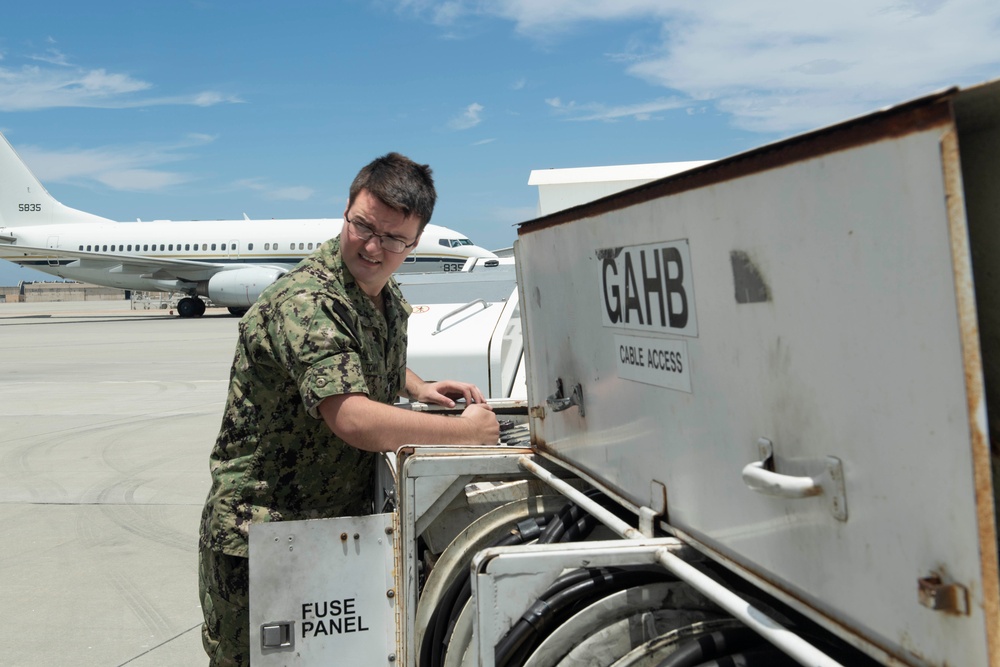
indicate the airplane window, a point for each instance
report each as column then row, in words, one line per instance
column 161, row 247
column 204, row 246
column 88, row 248
column 171, row 246
column 302, row 246
column 130, row 247
column 465, row 242
column 105, row 248
column 233, row 247
column 267, row 246
column 291, row 247
column 213, row 246
column 310, row 246
column 249, row 246
column 187, row 246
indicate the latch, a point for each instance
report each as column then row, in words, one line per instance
column 277, row 635
column 558, row 401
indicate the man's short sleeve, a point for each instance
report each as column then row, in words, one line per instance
column 319, row 346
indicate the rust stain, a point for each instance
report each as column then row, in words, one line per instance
column 975, row 392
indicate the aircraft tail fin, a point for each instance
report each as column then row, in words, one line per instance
column 24, row 201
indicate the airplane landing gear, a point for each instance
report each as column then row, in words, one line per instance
column 190, row 306
column 237, row 311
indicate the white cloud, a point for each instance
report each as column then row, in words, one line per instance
column 796, row 66
column 532, row 16
column 140, row 180
column 596, row 111
column 52, row 57
column 59, row 84
column 291, row 193
column 774, row 65
column 268, row 191
column 469, row 118
column 120, row 168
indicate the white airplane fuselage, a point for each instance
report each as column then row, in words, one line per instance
column 277, row 244
column 229, row 261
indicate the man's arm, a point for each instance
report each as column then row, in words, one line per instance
column 377, row 427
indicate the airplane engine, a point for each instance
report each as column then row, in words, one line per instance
column 241, row 287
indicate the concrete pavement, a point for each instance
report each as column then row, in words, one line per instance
column 107, row 417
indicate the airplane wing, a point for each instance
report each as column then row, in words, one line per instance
column 159, row 268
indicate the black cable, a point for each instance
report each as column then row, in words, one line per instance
column 442, row 621
column 580, row 530
column 557, row 603
column 569, row 515
column 555, row 529
column 763, row 656
column 697, row 650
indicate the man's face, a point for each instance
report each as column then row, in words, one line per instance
column 370, row 263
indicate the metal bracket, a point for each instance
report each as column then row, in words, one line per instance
column 934, row 594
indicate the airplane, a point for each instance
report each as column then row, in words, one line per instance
column 228, row 261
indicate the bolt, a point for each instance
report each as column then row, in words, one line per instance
column 390, row 593
column 388, row 530
column 392, row 657
column 343, row 537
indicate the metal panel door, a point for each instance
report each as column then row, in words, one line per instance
column 799, row 317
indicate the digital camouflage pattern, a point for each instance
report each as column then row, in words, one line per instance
column 310, row 335
column 224, row 582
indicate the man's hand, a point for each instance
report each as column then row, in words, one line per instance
column 484, row 423
column 446, row 392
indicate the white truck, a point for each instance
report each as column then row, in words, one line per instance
column 756, row 431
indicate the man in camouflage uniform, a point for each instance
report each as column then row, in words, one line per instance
column 320, row 358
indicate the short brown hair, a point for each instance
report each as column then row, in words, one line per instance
column 399, row 183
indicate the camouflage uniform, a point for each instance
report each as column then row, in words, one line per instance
column 312, row 334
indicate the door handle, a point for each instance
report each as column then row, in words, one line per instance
column 760, row 477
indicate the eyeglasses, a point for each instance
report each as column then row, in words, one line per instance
column 363, row 232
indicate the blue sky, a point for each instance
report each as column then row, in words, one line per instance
column 207, row 109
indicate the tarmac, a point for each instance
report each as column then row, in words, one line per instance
column 107, row 418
